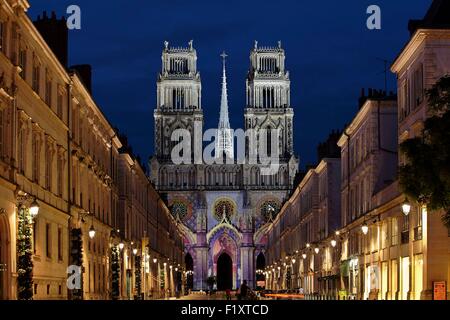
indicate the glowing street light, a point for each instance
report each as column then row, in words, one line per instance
column 333, row 243
column 406, row 207
column 121, row 245
column 135, row 251
column 92, row 232
column 365, row 228
column 304, row 256
column 34, row 209
column 316, row 250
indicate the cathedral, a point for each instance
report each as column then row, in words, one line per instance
column 223, row 208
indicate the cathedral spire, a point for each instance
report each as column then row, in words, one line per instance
column 224, row 145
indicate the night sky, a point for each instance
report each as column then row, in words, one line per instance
column 330, row 53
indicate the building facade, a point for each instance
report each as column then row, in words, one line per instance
column 382, row 250
column 306, row 221
column 57, row 150
column 224, row 206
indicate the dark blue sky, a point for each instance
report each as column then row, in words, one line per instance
column 331, row 55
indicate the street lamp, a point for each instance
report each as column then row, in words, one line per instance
column 406, row 207
column 135, row 251
column 121, row 245
column 333, row 243
column 155, row 260
column 293, row 261
column 365, row 228
column 338, row 232
column 92, row 232
column 308, row 245
column 304, row 256
column 316, row 250
column 34, row 209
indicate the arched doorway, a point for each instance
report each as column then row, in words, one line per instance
column 224, row 272
column 260, row 266
column 4, row 255
column 189, row 263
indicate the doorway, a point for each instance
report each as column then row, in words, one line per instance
column 260, row 266
column 4, row 254
column 189, row 263
column 224, row 272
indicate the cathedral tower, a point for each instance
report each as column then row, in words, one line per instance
column 268, row 90
column 179, row 106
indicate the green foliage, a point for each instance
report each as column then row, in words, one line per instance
column 426, row 176
column 24, row 256
column 76, row 257
column 137, row 276
column 115, row 272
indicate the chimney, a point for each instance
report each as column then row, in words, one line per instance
column 84, row 71
column 56, row 35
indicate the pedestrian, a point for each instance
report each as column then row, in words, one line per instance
column 243, row 290
column 228, row 294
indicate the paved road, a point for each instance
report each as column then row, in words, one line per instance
column 198, row 296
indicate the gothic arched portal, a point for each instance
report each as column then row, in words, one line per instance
column 224, row 272
column 189, row 263
column 260, row 266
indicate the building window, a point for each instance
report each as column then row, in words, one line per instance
column 36, row 158
column 48, row 289
column 21, row 151
column 418, row 86
column 48, row 91
column 418, row 227
column 48, row 169
column 23, row 63
column 2, row 36
column 35, row 288
column 59, row 108
column 36, row 78
column 35, row 235
column 60, row 173
column 48, row 240
column 2, row 136
column 60, row 244
column 394, row 232
column 405, row 230
column 403, row 101
column 384, row 235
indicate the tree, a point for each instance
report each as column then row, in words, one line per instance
column 24, row 256
column 426, row 176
